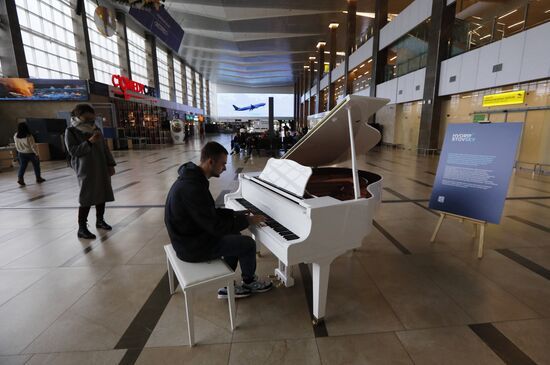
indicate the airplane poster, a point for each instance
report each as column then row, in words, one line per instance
column 251, row 107
column 226, row 102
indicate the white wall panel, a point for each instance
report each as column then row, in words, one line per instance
column 536, row 54
column 410, row 17
column 488, row 57
column 338, row 72
column 450, row 68
column 407, row 84
column 405, row 87
column 324, row 81
column 419, row 78
column 388, row 90
column 361, row 55
column 364, row 92
column 468, row 70
column 510, row 55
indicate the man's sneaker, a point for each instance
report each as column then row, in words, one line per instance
column 258, row 286
column 240, row 292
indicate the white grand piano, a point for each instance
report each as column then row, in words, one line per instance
column 315, row 213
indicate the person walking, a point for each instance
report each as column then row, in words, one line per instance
column 94, row 165
column 26, row 151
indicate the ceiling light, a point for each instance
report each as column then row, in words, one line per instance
column 485, row 36
column 333, row 25
column 518, row 23
column 359, row 13
column 477, row 17
column 547, row 11
column 341, row 53
column 393, row 58
column 306, row 66
column 321, row 44
column 505, row 15
column 363, row 65
column 369, row 61
column 311, row 57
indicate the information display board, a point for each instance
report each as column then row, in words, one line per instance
column 474, row 170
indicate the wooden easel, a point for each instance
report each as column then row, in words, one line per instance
column 476, row 223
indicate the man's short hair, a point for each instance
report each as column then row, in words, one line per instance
column 212, row 150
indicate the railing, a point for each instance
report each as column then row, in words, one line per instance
column 468, row 35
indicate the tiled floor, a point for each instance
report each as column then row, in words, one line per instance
column 396, row 300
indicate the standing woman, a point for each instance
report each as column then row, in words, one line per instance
column 94, row 165
column 26, row 151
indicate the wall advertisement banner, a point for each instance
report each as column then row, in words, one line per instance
column 474, row 170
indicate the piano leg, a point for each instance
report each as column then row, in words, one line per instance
column 320, row 275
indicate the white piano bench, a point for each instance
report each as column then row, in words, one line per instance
column 194, row 276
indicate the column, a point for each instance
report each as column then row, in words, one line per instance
column 171, row 76
column 152, row 45
column 332, row 64
column 441, row 25
column 321, row 69
column 350, row 43
column 82, row 41
column 201, row 92
column 122, row 41
column 184, row 80
column 379, row 57
column 207, row 97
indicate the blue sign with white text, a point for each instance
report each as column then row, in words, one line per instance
column 160, row 23
column 474, row 170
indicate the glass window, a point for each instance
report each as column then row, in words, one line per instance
column 409, row 53
column 361, row 76
column 189, row 74
column 138, row 57
column 164, row 83
column 104, row 49
column 49, row 41
column 178, row 81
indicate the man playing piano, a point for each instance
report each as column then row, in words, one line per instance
column 201, row 232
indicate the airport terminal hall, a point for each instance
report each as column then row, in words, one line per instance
column 238, row 182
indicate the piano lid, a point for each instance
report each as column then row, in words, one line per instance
column 329, row 141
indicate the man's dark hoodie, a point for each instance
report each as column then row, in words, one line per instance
column 194, row 224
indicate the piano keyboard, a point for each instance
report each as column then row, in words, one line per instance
column 270, row 222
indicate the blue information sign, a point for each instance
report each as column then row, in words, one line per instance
column 160, row 23
column 474, row 170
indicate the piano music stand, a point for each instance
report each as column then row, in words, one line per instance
column 476, row 223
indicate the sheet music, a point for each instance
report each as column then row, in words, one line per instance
column 287, row 174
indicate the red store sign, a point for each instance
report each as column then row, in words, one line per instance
column 125, row 84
